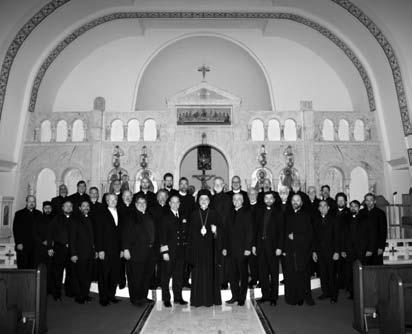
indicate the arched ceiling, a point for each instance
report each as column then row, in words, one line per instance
column 356, row 11
column 59, row 7
column 173, row 70
column 209, row 15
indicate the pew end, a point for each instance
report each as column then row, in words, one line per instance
column 371, row 293
column 27, row 289
column 397, row 309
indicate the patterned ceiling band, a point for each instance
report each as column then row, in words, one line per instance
column 390, row 54
column 18, row 41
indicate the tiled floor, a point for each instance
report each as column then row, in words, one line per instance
column 217, row 319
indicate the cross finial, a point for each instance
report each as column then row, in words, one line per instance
column 204, row 69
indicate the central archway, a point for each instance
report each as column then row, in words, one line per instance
column 189, row 166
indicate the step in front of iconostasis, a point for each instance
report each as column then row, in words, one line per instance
column 226, row 294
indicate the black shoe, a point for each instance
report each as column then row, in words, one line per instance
column 115, row 300
column 104, row 303
column 231, row 301
column 241, row 303
column 79, row 301
column 273, row 302
column 261, row 300
column 167, row 304
column 333, row 300
column 310, row 301
column 300, row 302
column 88, row 299
column 181, row 302
column 323, row 296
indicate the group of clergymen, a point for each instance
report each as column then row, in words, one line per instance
column 210, row 238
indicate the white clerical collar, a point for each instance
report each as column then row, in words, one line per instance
column 182, row 193
column 127, row 204
column 340, row 209
column 268, row 207
column 237, row 209
column 354, row 216
column 117, row 193
column 236, row 191
column 323, row 216
column 296, row 210
column 67, row 215
column 284, row 202
column 86, row 216
column 253, row 203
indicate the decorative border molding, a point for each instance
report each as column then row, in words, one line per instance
column 143, row 318
column 201, row 15
column 390, row 54
column 410, row 156
column 262, row 317
column 18, row 41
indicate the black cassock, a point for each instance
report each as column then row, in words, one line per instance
column 298, row 254
column 204, row 254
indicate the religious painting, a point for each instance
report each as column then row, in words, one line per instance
column 6, row 213
column 6, row 204
column 258, row 177
column 204, row 157
column 145, row 173
column 120, row 174
column 203, row 115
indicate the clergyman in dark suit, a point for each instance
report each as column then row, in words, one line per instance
column 108, row 246
column 138, row 241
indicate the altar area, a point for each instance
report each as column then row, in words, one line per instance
column 340, row 149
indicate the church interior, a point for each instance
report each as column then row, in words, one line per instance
column 315, row 92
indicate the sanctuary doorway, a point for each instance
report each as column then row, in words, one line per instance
column 201, row 163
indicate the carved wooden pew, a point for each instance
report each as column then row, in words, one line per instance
column 27, row 289
column 370, row 286
column 8, row 313
column 396, row 311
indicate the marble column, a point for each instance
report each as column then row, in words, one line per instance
column 97, row 134
column 308, row 138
